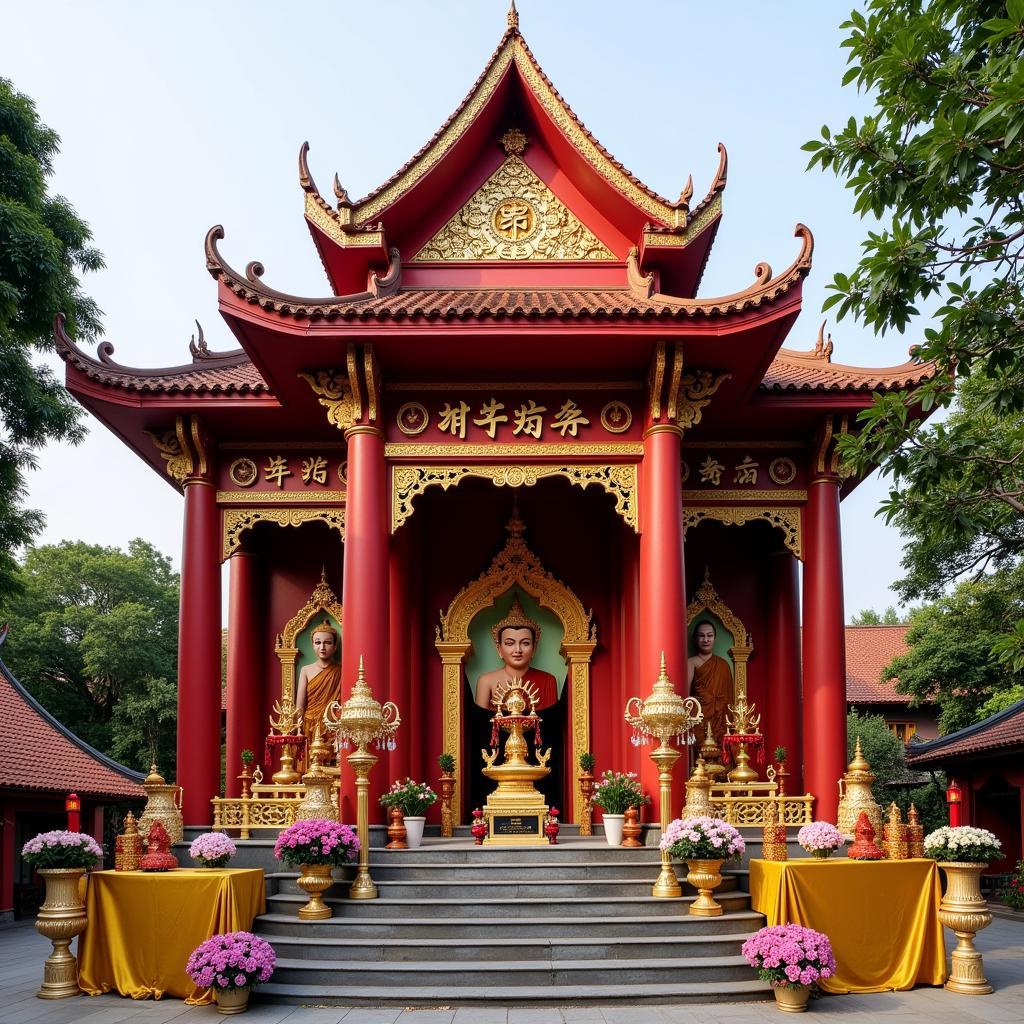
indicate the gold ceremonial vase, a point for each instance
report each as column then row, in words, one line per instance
column 232, row 1000
column 61, row 918
column 705, row 876
column 792, row 999
column 163, row 803
column 963, row 909
column 314, row 881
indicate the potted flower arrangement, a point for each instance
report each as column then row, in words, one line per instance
column 446, row 762
column 315, row 846
column 962, row 853
column 586, row 782
column 232, row 965
column 704, row 843
column 613, row 793
column 61, row 858
column 212, row 850
column 412, row 799
column 791, row 959
column 820, row 839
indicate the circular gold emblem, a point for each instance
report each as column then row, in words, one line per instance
column 616, row 417
column 343, row 473
column 514, row 220
column 782, row 471
column 412, row 418
column 243, row 472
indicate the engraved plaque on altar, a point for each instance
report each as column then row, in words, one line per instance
column 516, row 825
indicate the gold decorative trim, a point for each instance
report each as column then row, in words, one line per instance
column 407, row 482
column 319, row 215
column 612, row 449
column 513, row 216
column 238, row 520
column 321, row 601
column 707, row 599
column 698, row 387
column 505, row 385
column 178, row 460
column 751, row 495
column 412, row 407
column 782, row 470
column 335, row 395
column 516, row 565
column 657, row 379
column 785, row 519
column 281, row 497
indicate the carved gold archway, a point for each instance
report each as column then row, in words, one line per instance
column 785, row 519
column 322, row 601
column 238, row 521
column 707, row 599
column 515, row 565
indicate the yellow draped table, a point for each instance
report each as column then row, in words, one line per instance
column 881, row 917
column 143, row 926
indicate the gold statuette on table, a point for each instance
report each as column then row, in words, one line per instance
column 128, row 846
column 894, row 835
column 698, row 793
column 855, row 796
column 773, row 836
column 915, row 834
column 163, row 803
column 319, row 799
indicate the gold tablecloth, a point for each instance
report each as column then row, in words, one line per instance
column 143, row 927
column 881, row 917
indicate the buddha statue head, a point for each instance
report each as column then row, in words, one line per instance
column 325, row 641
column 516, row 638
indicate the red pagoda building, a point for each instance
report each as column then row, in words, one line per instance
column 512, row 396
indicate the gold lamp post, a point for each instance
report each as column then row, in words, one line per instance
column 362, row 720
column 662, row 715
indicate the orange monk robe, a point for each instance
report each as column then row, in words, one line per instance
column 546, row 686
column 712, row 686
column 324, row 687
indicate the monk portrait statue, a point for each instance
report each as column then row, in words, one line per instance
column 516, row 638
column 319, row 681
column 710, row 679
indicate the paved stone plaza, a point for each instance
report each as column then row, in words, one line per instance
column 22, row 951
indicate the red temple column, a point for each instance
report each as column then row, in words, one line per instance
column 784, row 703
column 399, row 763
column 365, row 591
column 246, row 727
column 199, row 653
column 662, row 626
column 824, row 648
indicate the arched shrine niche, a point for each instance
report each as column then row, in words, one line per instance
column 514, row 568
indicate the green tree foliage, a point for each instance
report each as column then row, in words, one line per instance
column 939, row 166
column 44, row 246
column 94, row 637
column 886, row 754
column 869, row 617
column 950, row 662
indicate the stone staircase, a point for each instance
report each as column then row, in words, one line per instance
column 456, row 924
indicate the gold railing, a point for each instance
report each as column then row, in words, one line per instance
column 269, row 806
column 752, row 809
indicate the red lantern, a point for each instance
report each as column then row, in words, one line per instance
column 73, row 806
column 954, row 797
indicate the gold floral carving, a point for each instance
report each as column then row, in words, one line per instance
column 408, row 482
column 514, row 216
column 711, row 494
column 616, row 417
column 321, row 216
column 785, row 519
column 517, row 566
column 280, row 497
column 612, row 449
column 707, row 599
column 238, row 520
column 321, row 601
column 335, row 394
column 697, row 388
column 178, row 460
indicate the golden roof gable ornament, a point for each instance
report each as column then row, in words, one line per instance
column 516, row 619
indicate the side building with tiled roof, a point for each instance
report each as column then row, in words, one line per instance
column 41, row 762
column 869, row 650
column 987, row 760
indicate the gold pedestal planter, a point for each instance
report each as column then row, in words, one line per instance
column 61, row 918
column 790, row 999
column 232, row 1000
column 705, row 876
column 314, row 880
column 963, row 910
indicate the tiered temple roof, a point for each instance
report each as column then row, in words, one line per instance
column 998, row 734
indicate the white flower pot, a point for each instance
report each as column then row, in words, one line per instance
column 613, row 828
column 414, row 830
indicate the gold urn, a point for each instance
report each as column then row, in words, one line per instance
column 163, row 803
column 855, row 796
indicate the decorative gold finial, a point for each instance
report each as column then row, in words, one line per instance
column 859, row 762
column 513, row 15
column 514, row 142
column 663, row 674
column 154, row 778
column 687, row 194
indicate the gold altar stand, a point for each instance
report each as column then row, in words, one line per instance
column 881, row 917
column 143, row 927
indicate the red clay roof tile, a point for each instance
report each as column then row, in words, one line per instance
column 1000, row 732
column 869, row 649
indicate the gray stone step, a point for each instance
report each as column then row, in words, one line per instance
column 482, row 951
column 447, row 974
column 504, row 909
column 613, row 994
column 579, row 870
column 459, row 890
column 412, row 926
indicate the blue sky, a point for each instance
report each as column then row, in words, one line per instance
column 177, row 117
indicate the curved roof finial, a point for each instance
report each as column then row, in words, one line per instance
column 306, row 181
column 513, row 15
